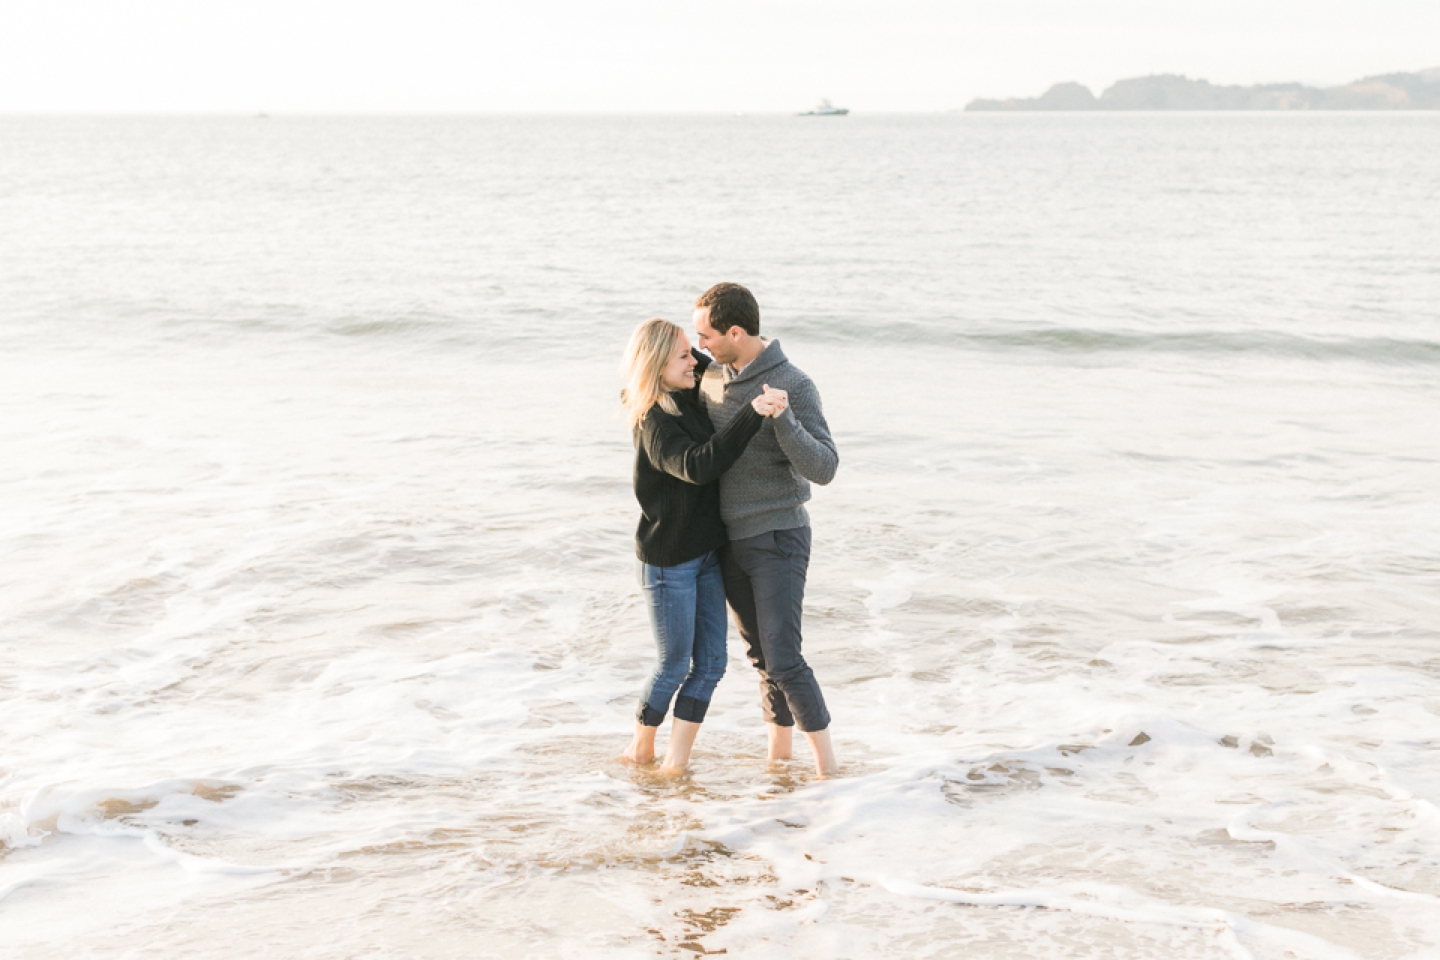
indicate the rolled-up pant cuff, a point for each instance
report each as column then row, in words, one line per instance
column 690, row 709
column 808, row 712
column 815, row 726
column 649, row 716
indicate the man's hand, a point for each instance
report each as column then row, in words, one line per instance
column 771, row 403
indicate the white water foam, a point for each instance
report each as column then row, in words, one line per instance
column 317, row 596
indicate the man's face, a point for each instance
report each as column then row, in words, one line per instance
column 717, row 344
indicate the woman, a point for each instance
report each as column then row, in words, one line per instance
column 678, row 459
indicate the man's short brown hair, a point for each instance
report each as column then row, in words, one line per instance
column 731, row 305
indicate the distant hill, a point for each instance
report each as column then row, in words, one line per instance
column 1169, row 91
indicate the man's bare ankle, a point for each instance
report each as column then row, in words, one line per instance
column 781, row 743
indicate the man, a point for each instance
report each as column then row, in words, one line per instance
column 762, row 501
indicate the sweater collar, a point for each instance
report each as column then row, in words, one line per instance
column 768, row 359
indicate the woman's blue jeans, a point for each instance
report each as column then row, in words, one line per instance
column 687, row 614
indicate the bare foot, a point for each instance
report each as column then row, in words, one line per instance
column 638, row 755
column 642, row 746
column 669, row 771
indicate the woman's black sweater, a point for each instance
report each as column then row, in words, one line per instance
column 678, row 462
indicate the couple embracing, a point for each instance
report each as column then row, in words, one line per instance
column 726, row 447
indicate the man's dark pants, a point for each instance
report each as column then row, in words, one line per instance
column 765, row 587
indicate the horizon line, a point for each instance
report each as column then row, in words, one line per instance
column 890, row 111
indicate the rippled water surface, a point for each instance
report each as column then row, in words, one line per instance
column 319, row 624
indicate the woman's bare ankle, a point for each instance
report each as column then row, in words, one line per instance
column 642, row 746
column 637, row 755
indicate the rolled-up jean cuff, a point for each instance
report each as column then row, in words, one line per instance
column 690, row 709
column 649, row 716
column 816, row 729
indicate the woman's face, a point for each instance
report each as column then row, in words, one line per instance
column 680, row 371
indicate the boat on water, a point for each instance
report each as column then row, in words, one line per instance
column 826, row 109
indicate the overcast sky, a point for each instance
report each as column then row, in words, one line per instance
column 670, row 55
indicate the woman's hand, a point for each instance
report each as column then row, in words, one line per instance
column 771, row 403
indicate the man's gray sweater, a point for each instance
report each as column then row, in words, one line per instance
column 767, row 487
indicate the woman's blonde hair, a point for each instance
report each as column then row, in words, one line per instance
column 652, row 346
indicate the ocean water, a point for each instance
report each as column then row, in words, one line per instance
column 319, row 629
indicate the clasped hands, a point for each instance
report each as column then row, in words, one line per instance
column 771, row 403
